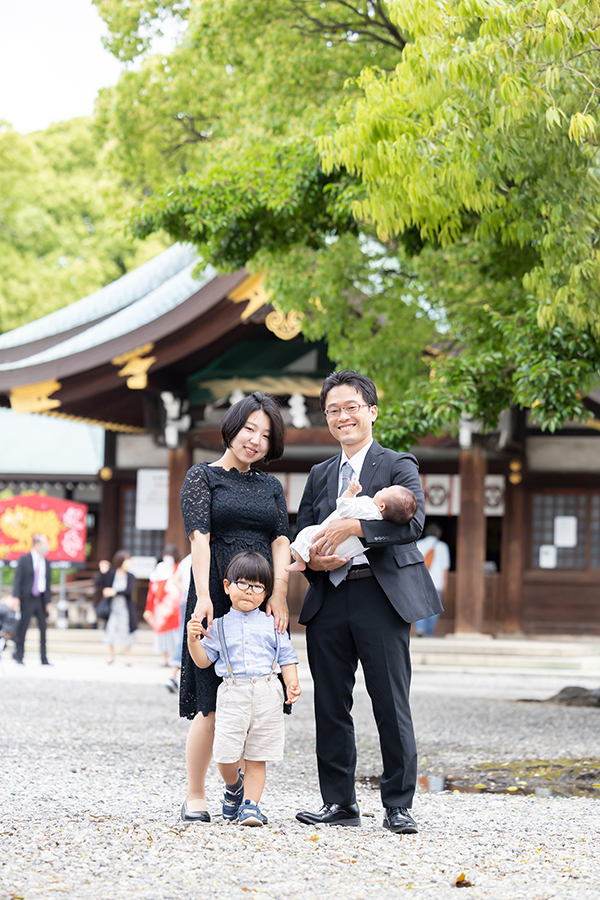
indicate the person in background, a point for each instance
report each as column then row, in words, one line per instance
column 116, row 606
column 179, row 581
column 163, row 603
column 437, row 559
column 32, row 588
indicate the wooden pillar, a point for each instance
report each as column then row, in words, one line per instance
column 107, row 542
column 471, row 541
column 179, row 461
column 512, row 558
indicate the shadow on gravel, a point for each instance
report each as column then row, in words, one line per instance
column 544, row 778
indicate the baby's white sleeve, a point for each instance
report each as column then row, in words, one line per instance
column 358, row 508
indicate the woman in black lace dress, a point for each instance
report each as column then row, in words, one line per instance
column 228, row 507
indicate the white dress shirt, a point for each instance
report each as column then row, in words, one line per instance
column 39, row 571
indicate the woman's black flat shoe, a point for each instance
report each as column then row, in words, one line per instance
column 189, row 815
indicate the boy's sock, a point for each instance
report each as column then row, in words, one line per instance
column 235, row 787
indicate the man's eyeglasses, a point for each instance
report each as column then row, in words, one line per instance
column 243, row 586
column 335, row 412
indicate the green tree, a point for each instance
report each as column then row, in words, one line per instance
column 463, row 143
column 62, row 221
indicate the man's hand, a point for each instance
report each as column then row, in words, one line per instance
column 320, row 563
column 328, row 540
column 204, row 610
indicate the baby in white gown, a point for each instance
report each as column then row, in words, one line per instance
column 395, row 503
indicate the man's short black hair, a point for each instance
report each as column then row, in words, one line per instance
column 253, row 567
column 360, row 383
column 433, row 530
column 237, row 415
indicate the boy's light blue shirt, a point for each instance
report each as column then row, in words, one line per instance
column 251, row 643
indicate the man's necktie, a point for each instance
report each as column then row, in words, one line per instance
column 337, row 575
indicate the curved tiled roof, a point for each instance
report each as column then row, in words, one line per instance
column 123, row 292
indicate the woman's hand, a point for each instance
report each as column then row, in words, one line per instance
column 204, row 610
column 278, row 608
column 108, row 592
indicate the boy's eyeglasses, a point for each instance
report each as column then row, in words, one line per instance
column 335, row 411
column 244, row 585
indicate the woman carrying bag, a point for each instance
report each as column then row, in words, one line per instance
column 116, row 605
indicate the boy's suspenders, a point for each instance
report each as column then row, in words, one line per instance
column 225, row 652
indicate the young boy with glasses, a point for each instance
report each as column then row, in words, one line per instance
column 248, row 654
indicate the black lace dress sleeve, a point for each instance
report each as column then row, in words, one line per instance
column 195, row 501
column 240, row 511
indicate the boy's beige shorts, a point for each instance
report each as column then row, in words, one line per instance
column 249, row 720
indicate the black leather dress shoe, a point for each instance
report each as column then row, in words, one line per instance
column 399, row 820
column 332, row 814
column 18, row 661
column 189, row 815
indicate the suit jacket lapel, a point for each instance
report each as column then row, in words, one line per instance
column 370, row 466
column 333, row 478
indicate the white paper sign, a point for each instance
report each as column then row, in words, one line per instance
column 547, row 556
column 152, row 500
column 565, row 531
column 142, row 566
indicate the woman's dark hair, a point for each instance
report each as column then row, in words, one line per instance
column 360, row 383
column 252, row 566
column 237, row 415
column 171, row 550
column 120, row 557
column 433, row 530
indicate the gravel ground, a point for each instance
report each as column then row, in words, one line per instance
column 93, row 776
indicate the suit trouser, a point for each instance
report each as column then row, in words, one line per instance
column 31, row 607
column 358, row 622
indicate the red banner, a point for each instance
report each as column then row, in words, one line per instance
column 62, row 521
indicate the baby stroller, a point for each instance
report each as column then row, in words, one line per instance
column 8, row 624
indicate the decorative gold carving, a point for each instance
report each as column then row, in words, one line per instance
column 108, row 426
column 251, row 289
column 268, row 384
column 284, row 327
column 135, row 368
column 106, row 473
column 35, row 398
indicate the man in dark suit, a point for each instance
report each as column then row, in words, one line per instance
column 361, row 609
column 32, row 587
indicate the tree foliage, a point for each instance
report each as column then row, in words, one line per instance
column 407, row 173
column 62, row 221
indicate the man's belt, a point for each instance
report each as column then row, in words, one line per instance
column 359, row 572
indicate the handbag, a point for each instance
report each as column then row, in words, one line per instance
column 103, row 608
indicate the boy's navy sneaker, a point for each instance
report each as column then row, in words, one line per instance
column 232, row 800
column 250, row 814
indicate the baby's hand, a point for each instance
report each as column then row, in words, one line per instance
column 353, row 488
column 293, row 691
column 194, row 628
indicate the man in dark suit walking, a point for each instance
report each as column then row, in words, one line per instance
column 361, row 609
column 32, row 587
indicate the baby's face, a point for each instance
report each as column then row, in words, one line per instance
column 382, row 498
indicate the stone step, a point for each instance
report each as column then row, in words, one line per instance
column 432, row 654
